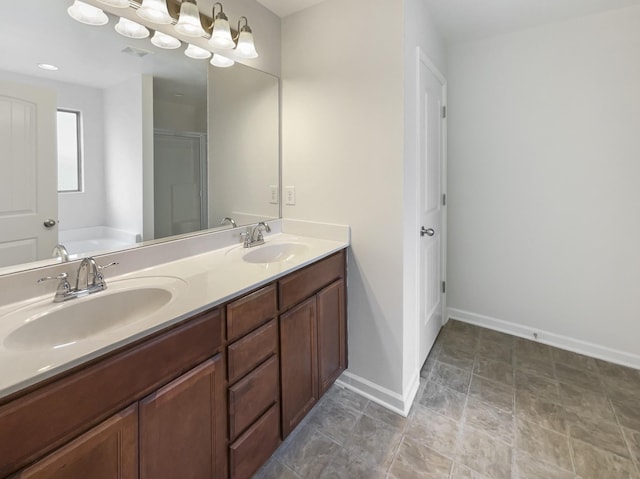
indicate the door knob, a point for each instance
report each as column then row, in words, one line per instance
column 49, row 223
column 427, row 231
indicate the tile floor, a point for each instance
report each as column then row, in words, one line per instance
column 489, row 406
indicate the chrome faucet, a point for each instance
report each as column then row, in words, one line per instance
column 59, row 251
column 89, row 279
column 253, row 235
column 228, row 221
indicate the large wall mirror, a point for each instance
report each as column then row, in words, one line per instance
column 125, row 143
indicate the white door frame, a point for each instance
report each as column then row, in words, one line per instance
column 421, row 57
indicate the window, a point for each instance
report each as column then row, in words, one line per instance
column 69, row 151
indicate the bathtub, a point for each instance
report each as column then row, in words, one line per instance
column 96, row 239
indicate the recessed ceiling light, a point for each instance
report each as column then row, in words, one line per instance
column 48, row 67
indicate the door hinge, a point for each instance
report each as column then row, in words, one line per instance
column 444, row 287
column 444, row 200
column 444, row 111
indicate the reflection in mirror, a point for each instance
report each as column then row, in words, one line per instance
column 156, row 157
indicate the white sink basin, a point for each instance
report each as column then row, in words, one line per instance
column 47, row 325
column 275, row 252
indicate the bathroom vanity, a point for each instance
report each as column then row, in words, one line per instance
column 210, row 395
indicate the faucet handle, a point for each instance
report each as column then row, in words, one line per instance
column 61, row 276
column 108, row 265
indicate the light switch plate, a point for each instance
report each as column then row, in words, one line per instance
column 273, row 191
column 290, row 195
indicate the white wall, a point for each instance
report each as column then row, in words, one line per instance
column 419, row 30
column 124, row 150
column 86, row 208
column 543, row 183
column 342, row 63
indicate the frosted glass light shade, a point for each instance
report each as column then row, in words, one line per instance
column 221, row 61
column 162, row 40
column 189, row 20
column 155, row 11
column 246, row 48
column 196, row 52
column 127, row 28
column 87, row 14
column 116, row 3
column 221, row 34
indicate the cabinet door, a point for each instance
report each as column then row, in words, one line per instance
column 332, row 334
column 108, row 451
column 183, row 426
column 298, row 363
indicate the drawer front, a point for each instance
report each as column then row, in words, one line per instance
column 246, row 353
column 298, row 286
column 250, row 311
column 252, row 396
column 255, row 446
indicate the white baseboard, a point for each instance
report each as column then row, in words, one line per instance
column 546, row 337
column 400, row 404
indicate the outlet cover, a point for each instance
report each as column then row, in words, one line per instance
column 290, row 195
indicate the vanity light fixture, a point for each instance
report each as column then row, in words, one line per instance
column 131, row 29
column 245, row 48
column 155, row 11
column 87, row 14
column 189, row 20
column 116, row 3
column 221, row 33
column 196, row 52
column 221, row 61
column 162, row 40
column 47, row 66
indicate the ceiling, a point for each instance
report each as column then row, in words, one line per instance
column 462, row 20
column 282, row 8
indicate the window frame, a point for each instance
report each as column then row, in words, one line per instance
column 79, row 155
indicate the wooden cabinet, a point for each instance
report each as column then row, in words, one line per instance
column 332, row 331
column 182, row 431
column 312, row 336
column 298, row 353
column 108, row 451
column 210, row 398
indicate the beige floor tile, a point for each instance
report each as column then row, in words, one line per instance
column 533, row 365
column 543, row 444
column 457, row 355
column 495, row 394
column 573, row 360
column 633, row 441
column 539, row 386
column 451, row 376
column 374, row 442
column 532, row 349
column 274, row 469
column 586, row 403
column 415, row 461
column 594, row 463
column 541, row 412
column 495, row 370
column 526, row 467
column 433, row 430
column 494, row 421
column 577, row 377
column 310, row 453
column 602, row 434
column 443, row 400
column 484, row 453
column 461, row 471
column 344, row 465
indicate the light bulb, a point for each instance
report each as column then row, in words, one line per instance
column 131, row 29
column 155, row 11
column 196, row 52
column 221, row 61
column 87, row 14
column 162, row 40
column 189, row 20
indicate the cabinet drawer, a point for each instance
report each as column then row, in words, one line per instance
column 250, row 311
column 253, row 395
column 298, row 286
column 254, row 447
column 255, row 347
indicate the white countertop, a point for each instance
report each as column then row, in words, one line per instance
column 206, row 280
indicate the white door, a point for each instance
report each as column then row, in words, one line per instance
column 431, row 157
column 28, row 174
column 179, row 194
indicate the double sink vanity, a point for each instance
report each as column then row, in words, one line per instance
column 195, row 368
